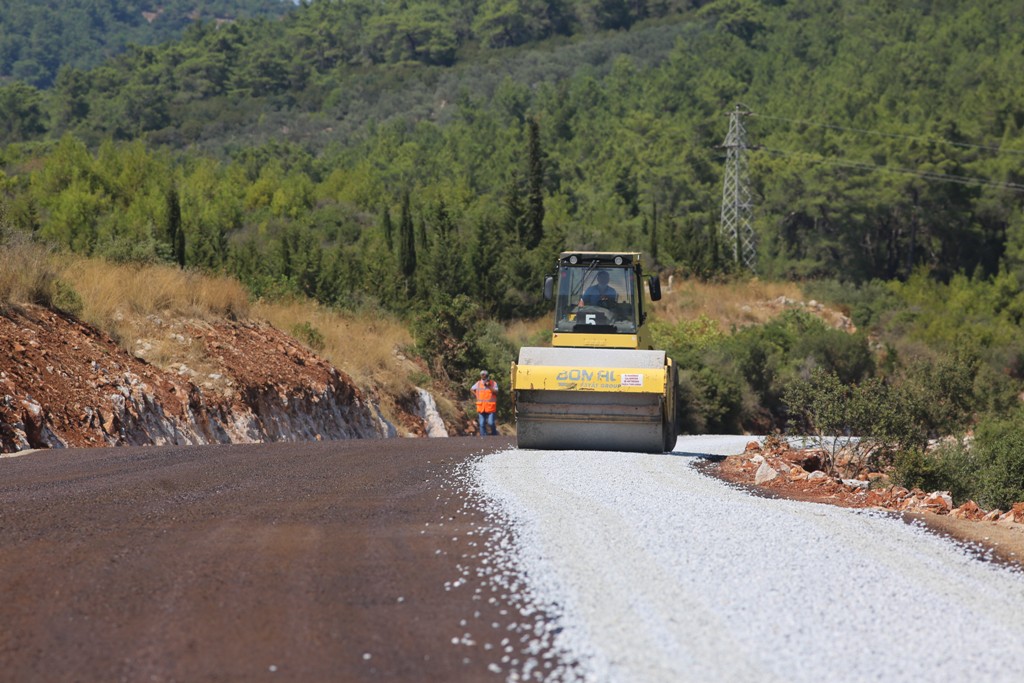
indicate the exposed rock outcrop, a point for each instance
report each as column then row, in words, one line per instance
column 427, row 411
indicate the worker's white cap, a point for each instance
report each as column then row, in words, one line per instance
column 483, row 373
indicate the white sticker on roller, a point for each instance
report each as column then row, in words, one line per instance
column 632, row 379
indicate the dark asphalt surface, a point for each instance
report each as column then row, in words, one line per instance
column 275, row 562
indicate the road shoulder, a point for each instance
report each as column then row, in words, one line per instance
column 1001, row 541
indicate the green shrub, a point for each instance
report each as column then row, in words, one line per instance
column 916, row 468
column 872, row 417
column 774, row 354
column 65, row 298
column 735, row 382
column 989, row 469
column 998, row 451
column 941, row 391
column 865, row 303
column 447, row 335
column 495, row 351
column 954, row 468
column 711, row 400
column 309, row 335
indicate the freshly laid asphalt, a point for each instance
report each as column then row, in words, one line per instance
column 304, row 562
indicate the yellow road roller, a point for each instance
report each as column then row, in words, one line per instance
column 601, row 385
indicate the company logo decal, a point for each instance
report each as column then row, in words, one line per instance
column 579, row 378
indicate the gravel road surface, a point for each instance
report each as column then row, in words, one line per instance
column 653, row 571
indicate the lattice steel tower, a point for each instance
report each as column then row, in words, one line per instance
column 737, row 203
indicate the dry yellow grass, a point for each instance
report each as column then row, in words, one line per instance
column 111, row 292
column 529, row 332
column 27, row 273
column 139, row 304
column 133, row 303
column 732, row 304
column 366, row 347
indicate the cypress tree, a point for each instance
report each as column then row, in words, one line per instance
column 175, row 233
column 406, row 240
column 488, row 281
column 515, row 212
column 421, row 236
column 654, row 232
column 446, row 270
column 387, row 228
column 533, row 225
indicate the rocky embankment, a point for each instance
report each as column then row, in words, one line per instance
column 63, row 384
column 796, row 474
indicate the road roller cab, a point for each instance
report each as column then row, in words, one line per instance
column 602, row 385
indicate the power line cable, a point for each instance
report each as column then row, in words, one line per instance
column 868, row 131
column 928, row 175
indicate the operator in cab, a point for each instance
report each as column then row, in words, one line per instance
column 601, row 293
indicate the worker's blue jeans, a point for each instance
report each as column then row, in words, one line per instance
column 485, row 420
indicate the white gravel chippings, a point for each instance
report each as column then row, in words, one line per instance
column 643, row 569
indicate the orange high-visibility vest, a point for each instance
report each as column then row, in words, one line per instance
column 486, row 396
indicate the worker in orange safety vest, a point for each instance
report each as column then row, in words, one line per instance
column 486, row 392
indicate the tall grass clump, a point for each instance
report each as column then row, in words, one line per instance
column 112, row 293
column 28, row 273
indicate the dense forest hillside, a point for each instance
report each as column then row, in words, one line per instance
column 37, row 38
column 888, row 136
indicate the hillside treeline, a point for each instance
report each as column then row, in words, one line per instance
column 417, row 157
column 38, row 38
column 888, row 136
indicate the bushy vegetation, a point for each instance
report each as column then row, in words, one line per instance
column 872, row 420
column 950, row 372
column 988, row 468
column 735, row 381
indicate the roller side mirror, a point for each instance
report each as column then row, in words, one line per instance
column 654, row 284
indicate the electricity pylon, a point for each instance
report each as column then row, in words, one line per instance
column 737, row 203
